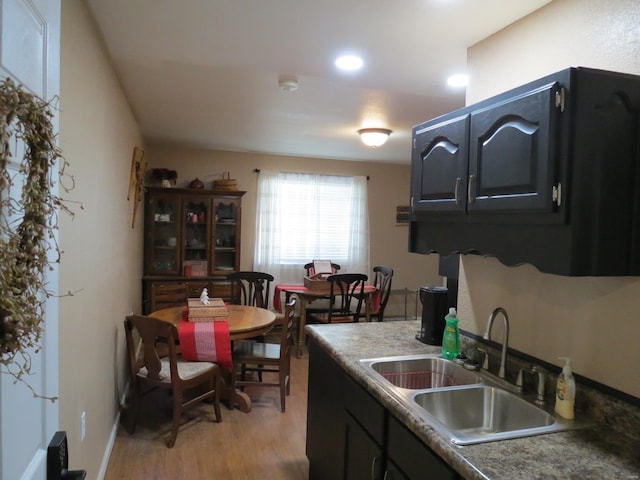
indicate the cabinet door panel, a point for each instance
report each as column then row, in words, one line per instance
column 162, row 229
column 325, row 416
column 195, row 230
column 225, row 242
column 410, row 455
column 512, row 163
column 363, row 456
column 439, row 166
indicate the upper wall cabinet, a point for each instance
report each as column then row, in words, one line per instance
column 547, row 174
column 460, row 165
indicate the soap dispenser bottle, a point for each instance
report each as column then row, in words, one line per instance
column 451, row 336
column 565, row 391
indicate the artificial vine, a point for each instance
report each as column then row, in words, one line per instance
column 28, row 220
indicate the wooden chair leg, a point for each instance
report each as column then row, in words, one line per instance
column 132, row 410
column 216, row 399
column 177, row 414
column 283, row 391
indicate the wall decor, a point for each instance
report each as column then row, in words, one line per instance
column 402, row 215
column 29, row 210
column 136, row 180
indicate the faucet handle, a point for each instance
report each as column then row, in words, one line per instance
column 542, row 378
column 485, row 360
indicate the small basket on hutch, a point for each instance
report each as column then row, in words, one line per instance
column 225, row 184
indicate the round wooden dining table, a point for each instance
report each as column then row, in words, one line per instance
column 244, row 322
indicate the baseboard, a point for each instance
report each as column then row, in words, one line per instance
column 112, row 438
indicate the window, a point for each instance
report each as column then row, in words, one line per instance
column 302, row 217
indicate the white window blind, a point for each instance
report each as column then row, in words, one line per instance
column 302, row 217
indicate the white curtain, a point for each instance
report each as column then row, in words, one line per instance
column 304, row 217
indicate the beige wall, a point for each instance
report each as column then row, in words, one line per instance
column 102, row 253
column 388, row 187
column 594, row 320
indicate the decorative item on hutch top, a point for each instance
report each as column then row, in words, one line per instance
column 196, row 183
column 225, row 183
column 163, row 177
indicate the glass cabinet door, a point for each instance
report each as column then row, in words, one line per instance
column 165, row 240
column 197, row 221
column 225, row 241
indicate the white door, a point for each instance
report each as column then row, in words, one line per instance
column 30, row 54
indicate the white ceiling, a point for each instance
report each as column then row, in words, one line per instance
column 204, row 73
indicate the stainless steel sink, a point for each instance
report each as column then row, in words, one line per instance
column 461, row 404
column 419, row 372
column 484, row 413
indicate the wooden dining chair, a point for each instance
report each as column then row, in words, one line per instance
column 157, row 364
column 165, row 295
column 266, row 358
column 345, row 298
column 382, row 281
column 254, row 287
column 320, row 305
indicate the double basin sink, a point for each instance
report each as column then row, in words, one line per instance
column 459, row 403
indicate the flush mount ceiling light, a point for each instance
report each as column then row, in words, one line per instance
column 374, row 137
column 458, row 80
column 349, row 63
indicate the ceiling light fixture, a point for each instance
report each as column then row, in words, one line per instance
column 374, row 137
column 459, row 80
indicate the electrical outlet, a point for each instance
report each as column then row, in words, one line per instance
column 83, row 426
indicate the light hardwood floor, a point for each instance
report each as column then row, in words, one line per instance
column 262, row 444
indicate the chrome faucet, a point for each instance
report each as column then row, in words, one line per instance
column 505, row 340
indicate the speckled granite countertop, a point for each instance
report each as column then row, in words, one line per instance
column 596, row 453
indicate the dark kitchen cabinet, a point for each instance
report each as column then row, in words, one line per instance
column 351, row 436
column 439, row 167
column 363, row 455
column 410, row 458
column 545, row 174
column 192, row 237
column 499, row 158
column 326, row 416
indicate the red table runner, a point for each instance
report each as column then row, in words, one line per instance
column 206, row 342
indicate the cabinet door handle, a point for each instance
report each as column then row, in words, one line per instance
column 457, row 190
column 373, row 467
column 386, row 475
column 471, row 189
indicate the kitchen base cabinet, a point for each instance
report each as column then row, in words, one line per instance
column 325, row 417
column 363, row 455
column 411, row 458
column 351, row 436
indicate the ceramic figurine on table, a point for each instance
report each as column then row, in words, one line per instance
column 204, row 297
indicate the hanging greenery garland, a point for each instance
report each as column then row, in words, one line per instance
column 28, row 244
